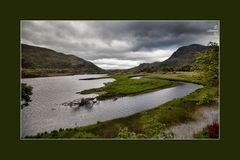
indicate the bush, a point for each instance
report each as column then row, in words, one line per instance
column 206, row 99
column 54, row 133
column 38, row 135
column 125, row 133
column 26, row 92
column 206, row 64
column 213, row 130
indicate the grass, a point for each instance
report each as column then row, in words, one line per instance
column 142, row 124
column 179, row 76
column 124, row 85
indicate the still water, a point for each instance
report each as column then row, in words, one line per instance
column 46, row 112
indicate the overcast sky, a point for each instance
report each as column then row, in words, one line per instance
column 118, row 44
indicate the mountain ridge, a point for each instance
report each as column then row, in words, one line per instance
column 41, row 62
column 183, row 56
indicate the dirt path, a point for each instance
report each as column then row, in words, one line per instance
column 203, row 116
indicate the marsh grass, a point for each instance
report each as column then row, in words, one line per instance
column 124, row 85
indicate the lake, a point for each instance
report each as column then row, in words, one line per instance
column 46, row 112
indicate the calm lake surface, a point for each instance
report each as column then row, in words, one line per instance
column 46, row 112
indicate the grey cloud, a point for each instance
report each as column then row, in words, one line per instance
column 123, row 40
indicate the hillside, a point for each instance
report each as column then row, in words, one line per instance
column 183, row 56
column 41, row 62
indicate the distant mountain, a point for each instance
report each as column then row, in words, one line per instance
column 38, row 61
column 183, row 56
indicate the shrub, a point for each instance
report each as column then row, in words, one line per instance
column 26, row 92
column 54, row 133
column 206, row 99
column 213, row 130
column 38, row 135
column 125, row 133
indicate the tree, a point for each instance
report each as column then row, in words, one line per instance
column 26, row 92
column 206, row 65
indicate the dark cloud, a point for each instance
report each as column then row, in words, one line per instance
column 122, row 41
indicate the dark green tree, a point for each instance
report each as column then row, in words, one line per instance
column 25, row 95
column 207, row 65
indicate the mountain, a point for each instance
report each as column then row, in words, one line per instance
column 41, row 62
column 183, row 56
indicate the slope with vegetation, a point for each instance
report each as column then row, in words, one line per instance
column 42, row 62
column 181, row 60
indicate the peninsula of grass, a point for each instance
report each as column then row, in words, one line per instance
column 144, row 124
column 124, row 85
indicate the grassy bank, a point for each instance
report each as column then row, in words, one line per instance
column 124, row 85
column 147, row 124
